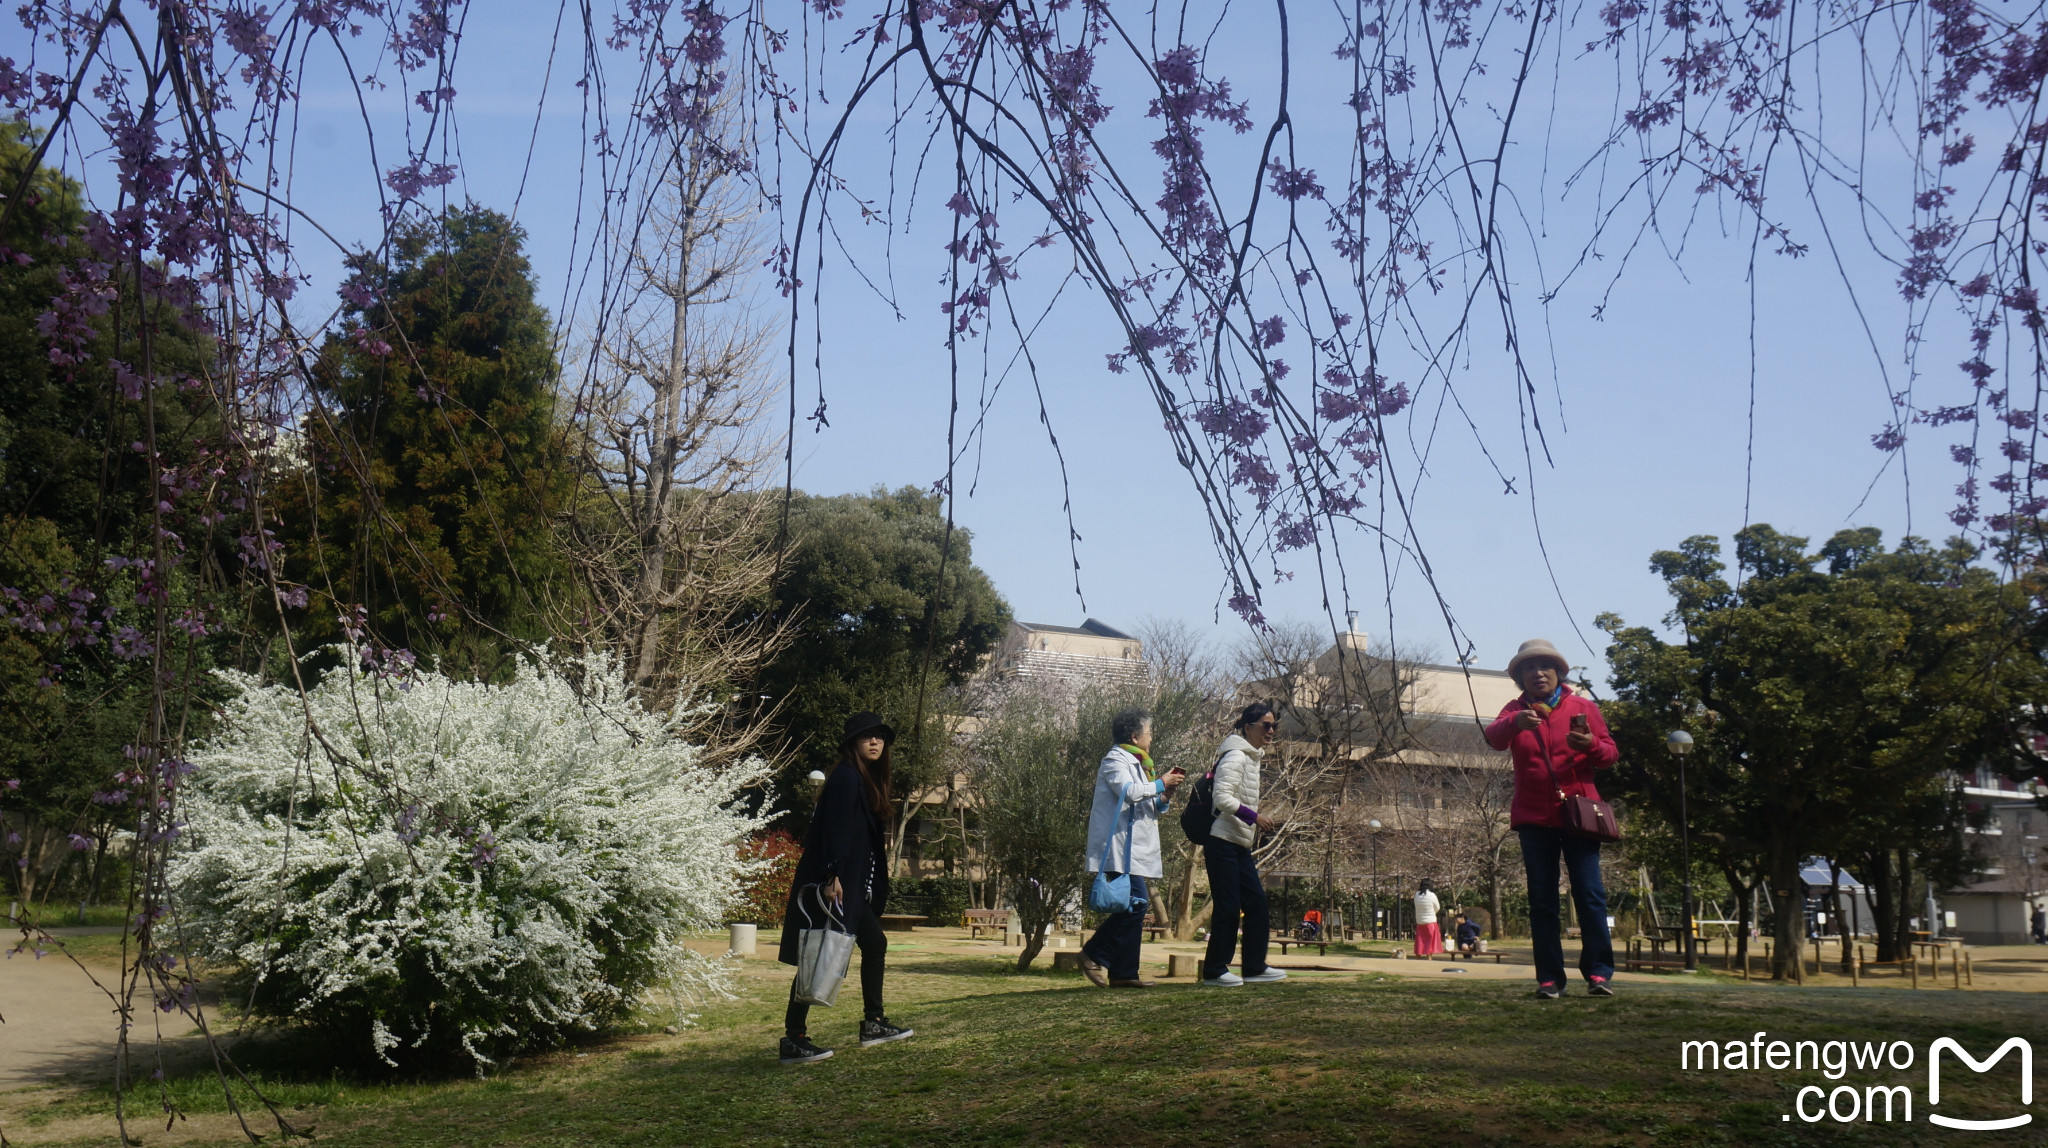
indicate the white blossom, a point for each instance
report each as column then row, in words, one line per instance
column 458, row 867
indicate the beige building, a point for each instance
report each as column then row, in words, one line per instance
column 1386, row 774
column 1093, row 653
column 1089, row 652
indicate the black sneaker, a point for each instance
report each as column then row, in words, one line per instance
column 800, row 1050
column 1549, row 991
column 878, row 1030
column 1598, row 987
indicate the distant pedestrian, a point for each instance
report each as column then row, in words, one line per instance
column 2040, row 924
column 845, row 857
column 1123, row 837
column 1557, row 740
column 1429, row 938
column 1236, row 893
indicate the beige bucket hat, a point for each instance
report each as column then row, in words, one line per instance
column 1536, row 648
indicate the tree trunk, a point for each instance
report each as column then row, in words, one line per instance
column 1494, row 889
column 1033, row 915
column 1835, row 914
column 910, row 811
column 1902, row 921
column 1788, row 913
column 1745, row 917
column 1184, row 898
column 1877, row 869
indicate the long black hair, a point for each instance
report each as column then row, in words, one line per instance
column 874, row 779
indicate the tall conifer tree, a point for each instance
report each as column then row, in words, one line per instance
column 437, row 467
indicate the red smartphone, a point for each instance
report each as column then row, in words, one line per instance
column 1580, row 724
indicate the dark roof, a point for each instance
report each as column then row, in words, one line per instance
column 2010, row 883
column 1814, row 871
column 1447, row 733
column 1091, row 627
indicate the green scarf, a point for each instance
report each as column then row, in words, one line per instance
column 1144, row 760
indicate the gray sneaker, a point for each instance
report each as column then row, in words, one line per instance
column 1267, row 977
column 1224, row 980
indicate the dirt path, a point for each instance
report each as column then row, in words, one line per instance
column 58, row 1023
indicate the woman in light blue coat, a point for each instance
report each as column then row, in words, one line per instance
column 1123, row 837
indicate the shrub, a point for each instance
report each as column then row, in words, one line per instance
column 767, row 892
column 448, row 870
column 942, row 900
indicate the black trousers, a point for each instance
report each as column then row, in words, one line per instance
column 1237, row 893
column 874, row 947
column 1115, row 945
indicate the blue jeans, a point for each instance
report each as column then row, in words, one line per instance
column 1115, row 943
column 1541, row 848
column 1236, row 892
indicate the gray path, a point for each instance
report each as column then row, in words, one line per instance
column 57, row 1023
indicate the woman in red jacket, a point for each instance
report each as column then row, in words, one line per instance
column 1557, row 739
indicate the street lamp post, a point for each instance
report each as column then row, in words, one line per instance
column 1680, row 743
column 1375, row 827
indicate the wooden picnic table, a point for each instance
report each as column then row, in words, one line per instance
column 1656, row 958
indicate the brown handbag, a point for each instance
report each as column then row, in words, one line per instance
column 1593, row 820
column 1583, row 817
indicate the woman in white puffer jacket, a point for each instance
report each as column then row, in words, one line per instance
column 1235, row 890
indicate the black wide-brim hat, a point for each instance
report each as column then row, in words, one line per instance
column 861, row 724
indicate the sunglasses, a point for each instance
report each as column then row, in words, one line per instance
column 1269, row 726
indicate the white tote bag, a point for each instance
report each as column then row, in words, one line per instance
column 823, row 952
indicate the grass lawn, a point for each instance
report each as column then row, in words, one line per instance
column 1046, row 1059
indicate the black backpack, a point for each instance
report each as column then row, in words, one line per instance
column 1200, row 814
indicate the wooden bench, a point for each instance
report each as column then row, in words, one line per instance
column 902, row 922
column 1322, row 947
column 1496, row 955
column 1156, row 929
column 994, row 920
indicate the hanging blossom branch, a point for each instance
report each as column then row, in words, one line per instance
column 1212, row 264
column 187, row 235
column 1293, row 269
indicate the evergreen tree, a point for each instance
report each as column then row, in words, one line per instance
column 1833, row 710
column 860, row 587
column 435, row 468
column 95, row 431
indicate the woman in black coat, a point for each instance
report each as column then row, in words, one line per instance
column 846, row 859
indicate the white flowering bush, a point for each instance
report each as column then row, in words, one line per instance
column 445, row 869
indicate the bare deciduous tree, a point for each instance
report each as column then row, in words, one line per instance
column 1343, row 715
column 671, row 534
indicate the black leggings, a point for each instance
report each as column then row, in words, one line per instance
column 874, row 946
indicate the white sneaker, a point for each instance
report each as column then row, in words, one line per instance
column 1224, row 980
column 1266, row 978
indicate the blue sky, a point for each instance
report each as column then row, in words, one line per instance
column 1648, row 413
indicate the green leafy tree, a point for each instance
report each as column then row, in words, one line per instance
column 1832, row 709
column 872, row 628
column 103, row 415
column 1031, row 793
column 435, row 468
